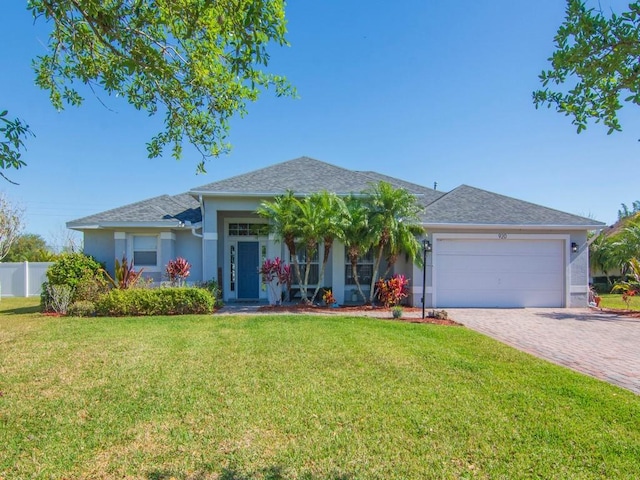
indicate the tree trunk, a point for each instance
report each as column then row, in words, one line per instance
column 303, row 288
column 296, row 267
column 375, row 271
column 328, row 243
column 390, row 263
column 354, row 272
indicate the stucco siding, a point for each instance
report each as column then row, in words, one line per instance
column 189, row 246
column 100, row 245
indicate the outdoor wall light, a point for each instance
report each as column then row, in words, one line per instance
column 574, row 247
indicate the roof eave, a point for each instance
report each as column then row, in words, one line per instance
column 105, row 225
column 510, row 226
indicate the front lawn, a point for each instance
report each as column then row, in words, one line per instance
column 307, row 397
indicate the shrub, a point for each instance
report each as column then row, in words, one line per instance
column 391, row 292
column 82, row 308
column 177, row 271
column 70, row 268
column 156, row 301
column 397, row 312
column 59, row 297
column 90, row 288
column 212, row 287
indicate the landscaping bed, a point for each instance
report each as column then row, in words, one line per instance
column 409, row 314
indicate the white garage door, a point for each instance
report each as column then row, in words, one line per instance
column 499, row 273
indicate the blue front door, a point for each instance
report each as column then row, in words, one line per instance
column 248, row 277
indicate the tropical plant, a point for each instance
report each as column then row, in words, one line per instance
column 624, row 246
column 391, row 292
column 600, row 256
column 626, row 212
column 308, row 231
column 328, row 298
column 275, row 274
column 357, row 236
column 282, row 214
column 332, row 215
column 630, row 286
column 177, row 271
column 125, row 273
column 394, row 220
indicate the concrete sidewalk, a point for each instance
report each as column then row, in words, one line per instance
column 603, row 345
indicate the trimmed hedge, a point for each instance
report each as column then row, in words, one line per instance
column 155, row 301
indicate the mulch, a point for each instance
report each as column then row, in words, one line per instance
column 617, row 311
column 410, row 314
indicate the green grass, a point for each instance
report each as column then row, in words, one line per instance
column 614, row 300
column 205, row 397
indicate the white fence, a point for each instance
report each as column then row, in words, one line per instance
column 22, row 279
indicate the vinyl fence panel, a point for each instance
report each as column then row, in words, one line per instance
column 22, row 279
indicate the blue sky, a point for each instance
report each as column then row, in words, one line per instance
column 428, row 91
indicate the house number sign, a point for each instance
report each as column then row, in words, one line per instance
column 502, row 236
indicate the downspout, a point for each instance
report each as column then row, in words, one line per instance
column 201, row 236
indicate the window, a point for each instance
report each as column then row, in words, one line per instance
column 145, row 250
column 247, row 229
column 302, row 261
column 365, row 269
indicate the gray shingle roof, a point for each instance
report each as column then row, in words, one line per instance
column 464, row 205
column 468, row 205
column 303, row 175
column 429, row 195
column 164, row 208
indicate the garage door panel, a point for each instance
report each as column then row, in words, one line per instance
column 499, row 273
column 507, row 298
column 496, row 264
column 498, row 247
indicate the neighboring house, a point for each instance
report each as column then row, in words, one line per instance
column 488, row 250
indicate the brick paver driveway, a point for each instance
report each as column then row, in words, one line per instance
column 599, row 344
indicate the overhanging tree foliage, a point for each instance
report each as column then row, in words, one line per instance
column 15, row 132
column 597, row 62
column 195, row 62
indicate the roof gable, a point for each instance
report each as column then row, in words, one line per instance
column 303, row 176
column 473, row 206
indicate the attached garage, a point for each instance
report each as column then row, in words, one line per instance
column 498, row 271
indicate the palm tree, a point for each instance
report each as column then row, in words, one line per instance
column 625, row 245
column 394, row 217
column 357, row 236
column 600, row 255
column 308, row 226
column 282, row 214
column 331, row 212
